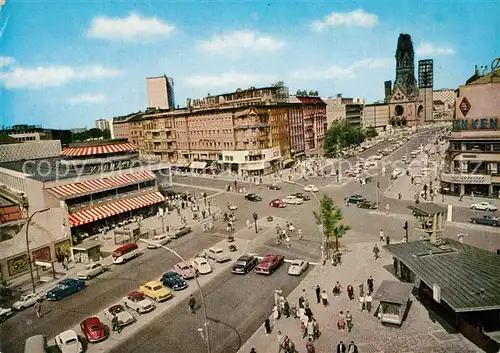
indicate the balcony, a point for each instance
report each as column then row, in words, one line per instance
column 252, row 126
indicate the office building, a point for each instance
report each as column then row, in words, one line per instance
column 102, row 124
column 160, row 91
column 347, row 109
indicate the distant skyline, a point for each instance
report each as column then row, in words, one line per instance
column 66, row 64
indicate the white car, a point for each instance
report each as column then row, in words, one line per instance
column 298, row 267
column 25, row 301
column 294, row 200
column 68, row 342
column 202, row 265
column 91, row 270
column 217, row 254
column 311, row 188
column 4, row 314
column 484, row 206
column 377, row 157
column 137, row 301
column 124, row 317
column 395, row 173
column 158, row 240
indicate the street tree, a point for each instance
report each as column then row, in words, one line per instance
column 329, row 216
column 342, row 135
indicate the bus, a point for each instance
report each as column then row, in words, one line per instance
column 125, row 253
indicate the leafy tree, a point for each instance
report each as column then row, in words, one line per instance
column 91, row 134
column 329, row 216
column 371, row 132
column 342, row 135
column 301, row 93
column 313, row 94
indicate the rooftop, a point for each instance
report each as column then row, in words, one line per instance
column 468, row 276
column 427, row 209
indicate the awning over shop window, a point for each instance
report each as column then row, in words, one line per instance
column 198, row 165
column 288, row 161
column 84, row 187
column 95, row 150
column 113, row 208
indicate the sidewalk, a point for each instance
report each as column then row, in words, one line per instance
column 418, row 334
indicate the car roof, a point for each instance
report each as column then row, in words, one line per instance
column 268, row 256
column 68, row 334
column 90, row 321
column 135, row 294
column 170, row 274
column 116, row 306
column 244, row 257
column 152, row 283
column 215, row 248
column 67, row 281
column 182, row 263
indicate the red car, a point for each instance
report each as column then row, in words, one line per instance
column 93, row 329
column 277, row 203
column 269, row 264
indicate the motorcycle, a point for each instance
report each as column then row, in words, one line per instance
column 232, row 248
column 230, row 238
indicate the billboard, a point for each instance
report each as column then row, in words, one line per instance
column 425, row 73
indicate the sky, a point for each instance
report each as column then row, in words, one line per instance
column 64, row 64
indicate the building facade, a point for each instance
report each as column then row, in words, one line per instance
column 296, row 124
column 160, row 91
column 376, row 116
column 443, row 104
column 29, row 150
column 348, row 109
column 315, row 126
column 24, row 133
column 102, row 124
column 473, row 158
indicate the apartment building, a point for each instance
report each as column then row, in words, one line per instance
column 24, row 133
column 102, row 124
column 315, row 125
column 160, row 91
column 348, row 109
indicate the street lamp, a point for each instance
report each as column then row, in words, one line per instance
column 205, row 313
column 320, row 226
column 28, row 247
column 255, row 218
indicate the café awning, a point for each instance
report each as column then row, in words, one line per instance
column 198, row 165
column 96, row 150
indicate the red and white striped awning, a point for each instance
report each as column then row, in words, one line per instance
column 101, row 184
column 113, row 208
column 95, row 150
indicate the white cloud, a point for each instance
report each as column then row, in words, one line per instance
column 129, row 28
column 240, row 40
column 428, row 49
column 227, row 79
column 6, row 61
column 86, row 98
column 52, row 76
column 336, row 71
column 356, row 18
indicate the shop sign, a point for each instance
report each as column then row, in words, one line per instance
column 18, row 265
column 464, row 106
column 466, row 179
column 476, row 124
column 42, row 254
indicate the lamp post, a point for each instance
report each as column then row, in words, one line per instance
column 255, row 218
column 205, row 313
column 320, row 226
column 30, row 265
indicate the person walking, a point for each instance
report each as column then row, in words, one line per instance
column 368, row 302
column 381, row 235
column 248, row 223
column 192, row 304
column 310, row 329
column 324, row 298
column 348, row 319
column 341, row 348
column 310, row 346
column 361, row 302
column 376, row 251
column 252, row 350
column 38, row 309
column 369, row 282
column 279, row 340
column 341, row 322
column 299, row 232
column 318, row 293
column 352, row 348
column 114, row 323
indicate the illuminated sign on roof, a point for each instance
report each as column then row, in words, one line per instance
column 476, row 124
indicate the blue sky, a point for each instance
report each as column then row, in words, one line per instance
column 64, row 64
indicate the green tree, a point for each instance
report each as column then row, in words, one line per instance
column 371, row 132
column 301, row 93
column 342, row 135
column 91, row 134
column 329, row 216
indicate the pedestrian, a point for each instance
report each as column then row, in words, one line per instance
column 310, row 347
column 301, row 301
column 376, row 251
column 341, row 348
column 310, row 329
column 369, row 282
column 252, row 350
column 267, row 326
column 38, row 309
column 308, row 312
column 387, row 208
column 288, row 243
column 192, row 304
column 352, row 348
column 279, row 340
column 203, row 213
column 317, row 333
column 276, row 313
column 115, row 324
column 350, row 292
column 348, row 319
column 361, row 302
column 341, row 322
column 361, row 289
column 368, row 302
column 248, row 223
column 324, row 298
column 299, row 232
column 318, row 293
column 381, row 235
column 286, row 309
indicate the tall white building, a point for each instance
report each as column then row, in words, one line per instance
column 102, row 124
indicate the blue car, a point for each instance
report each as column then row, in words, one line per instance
column 173, row 281
column 64, row 288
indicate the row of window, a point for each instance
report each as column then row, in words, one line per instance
column 475, row 146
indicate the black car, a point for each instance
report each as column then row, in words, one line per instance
column 173, row 281
column 274, row 187
column 367, row 204
column 302, row 196
column 486, row 220
column 244, row 264
column 253, row 197
column 355, row 199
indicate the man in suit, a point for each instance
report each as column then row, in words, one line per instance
column 352, row 348
column 341, row 348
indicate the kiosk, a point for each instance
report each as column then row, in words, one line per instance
column 394, row 298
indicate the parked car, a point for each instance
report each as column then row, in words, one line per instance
column 486, row 220
column 124, row 317
column 156, row 291
column 201, row 265
column 181, row 232
column 173, row 281
column 5, row 313
column 274, row 187
column 137, row 301
column 91, row 270
column 302, row 196
column 298, row 267
column 371, row 205
column 355, row 198
column 277, row 203
column 253, row 197
column 68, row 342
column 244, row 264
column 185, row 270
column 396, row 172
column 232, row 207
column 483, row 206
column 64, row 288
column 217, row 254
column 158, row 240
column 269, row 264
column 311, row 188
column 93, row 329
column 294, row 200
column 25, row 301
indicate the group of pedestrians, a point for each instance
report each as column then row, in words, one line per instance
column 285, row 234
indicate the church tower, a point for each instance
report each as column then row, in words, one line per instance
column 405, row 66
